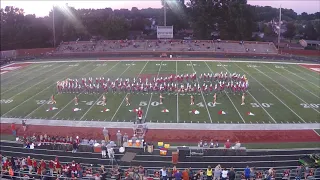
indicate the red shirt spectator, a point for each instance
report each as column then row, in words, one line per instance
column 34, row 163
column 39, row 171
column 51, row 165
column 73, row 166
column 43, row 164
column 227, row 144
column 29, row 161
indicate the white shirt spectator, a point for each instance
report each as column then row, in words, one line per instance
column 237, row 145
column 163, row 172
column 224, row 174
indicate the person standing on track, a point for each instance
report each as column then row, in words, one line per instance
column 24, row 125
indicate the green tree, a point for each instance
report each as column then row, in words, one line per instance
column 291, row 31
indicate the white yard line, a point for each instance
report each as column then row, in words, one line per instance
column 145, row 117
column 36, row 83
column 127, row 93
column 293, row 82
column 257, row 101
column 177, row 94
column 205, row 103
column 305, row 79
column 285, row 89
column 27, row 116
column 82, row 91
column 27, row 74
column 316, row 132
column 102, row 95
column 272, row 94
column 38, row 92
column 19, row 71
column 214, row 60
column 228, row 95
column 306, row 72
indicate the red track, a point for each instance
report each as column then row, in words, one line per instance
column 155, row 135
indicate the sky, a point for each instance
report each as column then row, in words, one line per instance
column 42, row 8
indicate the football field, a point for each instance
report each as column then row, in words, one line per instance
column 278, row 92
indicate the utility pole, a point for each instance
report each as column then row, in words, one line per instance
column 165, row 12
column 279, row 32
column 53, row 28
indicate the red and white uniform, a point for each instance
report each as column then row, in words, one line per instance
column 75, row 100
column 191, row 100
column 140, row 114
column 53, row 100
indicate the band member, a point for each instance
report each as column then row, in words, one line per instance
column 191, row 100
column 139, row 115
column 243, row 99
column 127, row 101
column 214, row 98
column 104, row 99
column 75, row 100
column 161, row 98
column 53, row 100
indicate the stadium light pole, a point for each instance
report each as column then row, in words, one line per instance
column 165, row 12
column 279, row 32
column 53, row 28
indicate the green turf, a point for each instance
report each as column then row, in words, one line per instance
column 287, row 93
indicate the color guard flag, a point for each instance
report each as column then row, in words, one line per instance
column 165, row 110
column 194, row 112
column 222, row 112
column 76, row 109
column 250, row 114
column 105, row 110
column 133, row 110
column 52, row 108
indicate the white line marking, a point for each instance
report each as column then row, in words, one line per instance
column 227, row 94
column 102, row 95
column 82, row 91
column 202, row 94
column 45, row 72
column 27, row 116
column 38, row 82
column 272, row 94
column 316, row 132
column 128, row 93
column 285, row 88
column 303, row 78
column 37, row 93
column 145, row 117
column 178, row 95
column 213, row 60
column 293, row 82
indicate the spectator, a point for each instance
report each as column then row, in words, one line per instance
column 211, row 144
column 252, row 173
column 185, row 175
column 134, row 138
column 119, row 138
column 224, row 174
column 237, row 145
column 29, row 163
column 217, row 172
column 24, row 125
column 103, row 151
column 231, row 174
column 247, row 173
column 169, row 174
column 216, row 145
column 105, row 134
column 74, row 147
column 227, row 144
column 200, row 144
column 209, row 173
column 163, row 173
column 125, row 137
column 51, row 167
column 178, row 175
column 141, row 172
column 286, row 174
column 13, row 129
column 103, row 172
column 57, row 165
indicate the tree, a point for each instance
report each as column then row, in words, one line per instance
column 291, row 31
column 309, row 32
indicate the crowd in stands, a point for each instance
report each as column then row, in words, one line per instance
column 167, row 45
column 30, row 168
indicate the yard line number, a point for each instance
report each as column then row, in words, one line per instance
column 6, row 101
column 252, row 66
column 279, row 67
column 130, row 64
column 193, row 64
column 101, row 65
column 264, row 105
column 74, row 65
column 310, row 105
column 44, row 66
column 222, row 65
column 44, row 102
column 161, row 64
